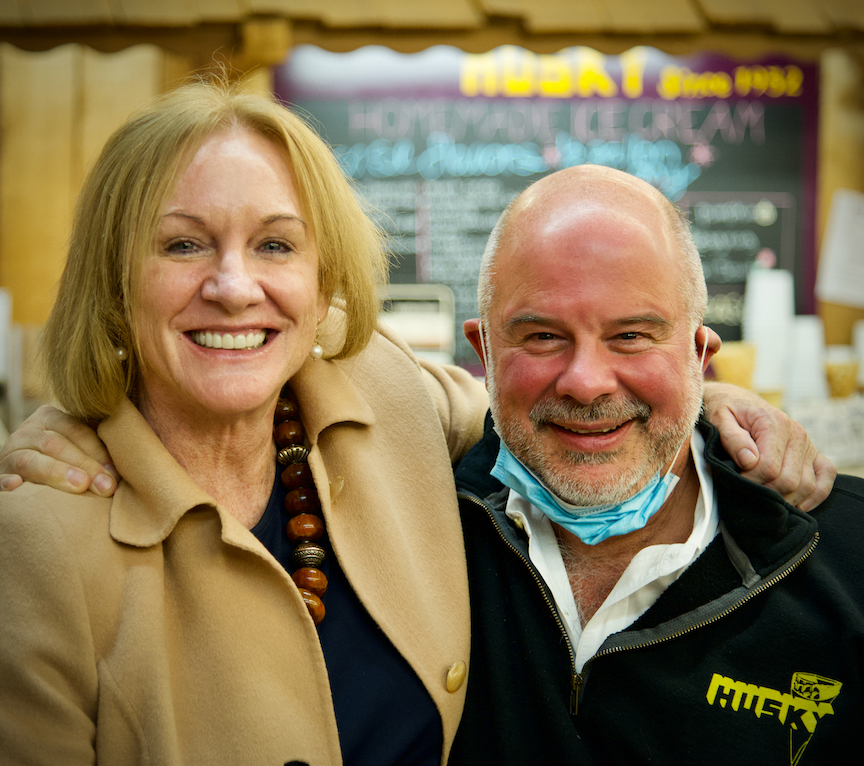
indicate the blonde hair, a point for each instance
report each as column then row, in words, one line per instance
column 117, row 216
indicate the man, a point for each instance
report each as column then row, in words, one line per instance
column 632, row 600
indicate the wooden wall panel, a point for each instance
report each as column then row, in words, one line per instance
column 163, row 13
column 845, row 14
column 566, row 16
column 638, row 16
column 37, row 110
column 111, row 87
column 290, row 8
column 351, row 13
column 447, row 14
column 797, row 16
column 51, row 12
column 12, row 12
column 735, row 11
column 266, row 42
column 219, row 10
column 57, row 108
column 502, row 7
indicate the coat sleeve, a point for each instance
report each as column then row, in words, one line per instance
column 459, row 398
column 461, row 401
column 48, row 678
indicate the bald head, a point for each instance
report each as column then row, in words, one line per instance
column 558, row 201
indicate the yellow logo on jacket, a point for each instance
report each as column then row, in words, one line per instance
column 800, row 709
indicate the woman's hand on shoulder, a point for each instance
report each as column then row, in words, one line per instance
column 769, row 447
column 53, row 448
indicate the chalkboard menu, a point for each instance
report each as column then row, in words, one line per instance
column 440, row 141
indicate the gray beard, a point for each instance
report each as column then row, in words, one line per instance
column 663, row 439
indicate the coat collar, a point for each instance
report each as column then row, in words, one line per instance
column 156, row 491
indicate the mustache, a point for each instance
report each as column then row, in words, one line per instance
column 620, row 410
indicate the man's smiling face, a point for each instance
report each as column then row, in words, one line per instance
column 593, row 374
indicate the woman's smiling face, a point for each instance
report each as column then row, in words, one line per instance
column 229, row 297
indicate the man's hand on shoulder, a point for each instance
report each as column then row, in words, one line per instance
column 769, row 447
column 53, row 448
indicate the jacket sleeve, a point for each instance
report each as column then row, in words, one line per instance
column 48, row 676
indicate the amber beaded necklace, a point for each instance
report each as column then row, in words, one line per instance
column 305, row 526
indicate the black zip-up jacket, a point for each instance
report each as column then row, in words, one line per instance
column 755, row 655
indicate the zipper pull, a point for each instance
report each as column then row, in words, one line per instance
column 575, row 691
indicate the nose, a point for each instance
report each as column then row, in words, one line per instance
column 588, row 374
column 232, row 281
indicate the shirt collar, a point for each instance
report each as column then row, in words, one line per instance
column 655, row 565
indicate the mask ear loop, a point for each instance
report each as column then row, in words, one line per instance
column 701, row 366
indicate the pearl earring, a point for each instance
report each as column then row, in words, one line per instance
column 122, row 353
column 316, row 352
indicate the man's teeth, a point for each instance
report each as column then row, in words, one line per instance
column 601, row 431
column 224, row 340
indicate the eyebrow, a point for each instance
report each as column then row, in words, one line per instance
column 526, row 319
column 652, row 319
column 270, row 219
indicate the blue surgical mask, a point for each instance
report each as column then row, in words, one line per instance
column 591, row 524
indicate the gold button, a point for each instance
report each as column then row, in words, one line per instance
column 519, row 521
column 456, row 676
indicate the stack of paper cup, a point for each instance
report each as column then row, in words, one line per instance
column 841, row 367
column 769, row 310
column 805, row 379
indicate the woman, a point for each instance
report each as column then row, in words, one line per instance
column 218, row 252
column 209, row 242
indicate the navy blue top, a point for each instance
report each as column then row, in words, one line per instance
column 383, row 712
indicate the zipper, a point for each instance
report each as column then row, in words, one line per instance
column 791, row 567
column 577, row 680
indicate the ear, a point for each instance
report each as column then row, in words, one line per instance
column 708, row 340
column 471, row 328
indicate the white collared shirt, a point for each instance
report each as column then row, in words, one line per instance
column 649, row 573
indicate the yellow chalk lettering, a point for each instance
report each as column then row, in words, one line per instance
column 555, row 80
column 518, row 72
column 479, row 75
column 591, row 75
column 669, row 82
column 721, row 84
column 633, row 71
column 743, row 80
column 794, row 80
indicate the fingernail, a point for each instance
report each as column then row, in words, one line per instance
column 4, row 483
column 103, row 482
column 746, row 457
column 75, row 477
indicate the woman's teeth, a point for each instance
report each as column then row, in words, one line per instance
column 224, row 340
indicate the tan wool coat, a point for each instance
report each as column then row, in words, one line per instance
column 152, row 628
